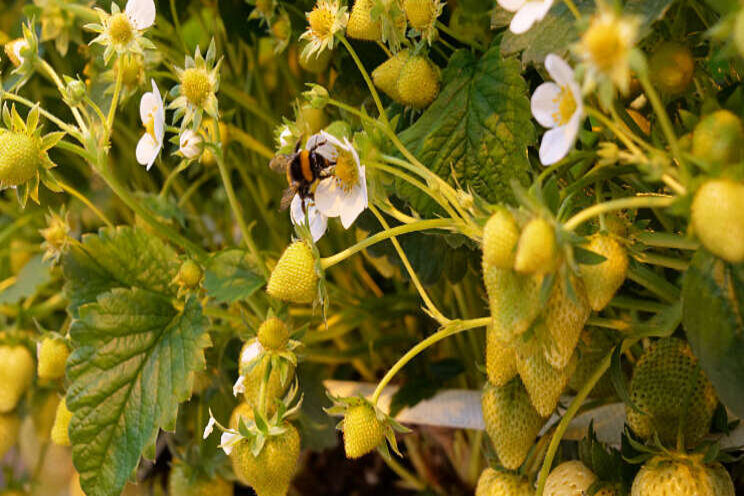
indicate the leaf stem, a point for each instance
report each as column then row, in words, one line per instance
column 422, row 225
column 367, row 79
column 658, row 106
column 431, row 307
column 53, row 118
column 641, row 201
column 572, row 7
column 115, row 99
column 452, row 328
column 446, row 30
column 61, row 88
column 72, row 191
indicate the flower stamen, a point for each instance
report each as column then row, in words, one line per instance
column 566, row 106
column 346, row 171
column 120, row 29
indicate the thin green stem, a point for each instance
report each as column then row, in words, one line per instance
column 431, row 307
column 238, row 212
column 570, row 413
column 412, row 481
column 72, row 191
column 572, row 7
column 646, row 201
column 172, row 177
column 383, row 235
column 664, row 121
column 95, row 108
column 177, row 24
column 661, row 261
column 114, row 100
column 616, row 130
column 61, row 88
column 450, row 329
column 446, row 30
column 53, row 118
column 667, row 240
column 367, row 78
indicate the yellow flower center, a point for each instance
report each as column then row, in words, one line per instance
column 604, row 44
column 120, row 29
column 196, row 86
column 321, row 21
column 346, row 170
column 150, row 127
column 566, row 106
column 56, row 234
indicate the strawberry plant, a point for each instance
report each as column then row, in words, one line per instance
column 371, row 247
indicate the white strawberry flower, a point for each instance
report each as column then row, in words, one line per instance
column 141, row 13
column 316, row 221
column 344, row 193
column 209, row 428
column 228, row 440
column 558, row 106
column 189, row 144
column 528, row 12
column 152, row 114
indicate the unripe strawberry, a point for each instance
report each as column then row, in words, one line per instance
column 386, row 75
column 537, row 250
column 500, row 237
column 10, row 424
column 498, row 483
column 52, row 355
column 421, row 14
column 43, row 412
column 275, row 388
column 664, row 387
column 62, row 419
column 315, row 63
column 717, row 218
column 270, row 473
column 243, row 411
column 543, row 382
column 418, row 84
column 571, row 478
column 511, row 421
column 273, row 334
column 565, row 316
column 720, row 480
column 183, row 481
column 16, row 374
column 189, row 274
column 671, row 67
column 294, row 278
column 501, row 364
column 718, row 137
column 673, row 475
column 20, row 158
column 514, row 301
column 603, row 280
column 361, row 26
column 363, row 431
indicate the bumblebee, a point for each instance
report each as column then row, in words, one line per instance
column 303, row 169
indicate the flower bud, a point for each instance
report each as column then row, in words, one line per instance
column 75, row 91
column 190, row 144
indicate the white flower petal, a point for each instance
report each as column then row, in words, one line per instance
column 148, row 107
column 318, row 222
column 557, row 142
column 529, row 14
column 511, row 5
column 228, row 440
column 147, row 150
column 189, row 144
column 329, row 197
column 356, row 202
column 250, row 353
column 209, row 428
column 559, row 70
column 545, row 103
column 141, row 13
column 239, row 386
column 285, row 136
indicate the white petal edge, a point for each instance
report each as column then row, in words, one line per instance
column 559, row 70
column 141, row 12
column 544, row 103
column 557, row 142
column 529, row 14
column 511, row 5
column 147, row 150
column 329, row 197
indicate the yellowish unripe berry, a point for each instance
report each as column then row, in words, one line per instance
column 10, row 424
column 361, row 26
column 671, row 67
column 190, row 274
column 60, row 435
column 294, row 278
column 500, row 237
column 311, row 120
column 418, row 84
column 273, row 334
column 16, row 374
column 363, row 431
column 386, row 75
column 20, row 158
column 52, row 356
column 537, row 248
column 718, row 138
column 718, row 220
column 421, row 14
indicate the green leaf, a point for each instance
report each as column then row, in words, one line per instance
column 32, row 276
column 554, row 34
column 587, row 257
column 712, row 315
column 231, row 276
column 134, row 362
column 478, row 128
column 123, row 257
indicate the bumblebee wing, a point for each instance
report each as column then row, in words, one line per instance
column 279, row 163
column 287, row 197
